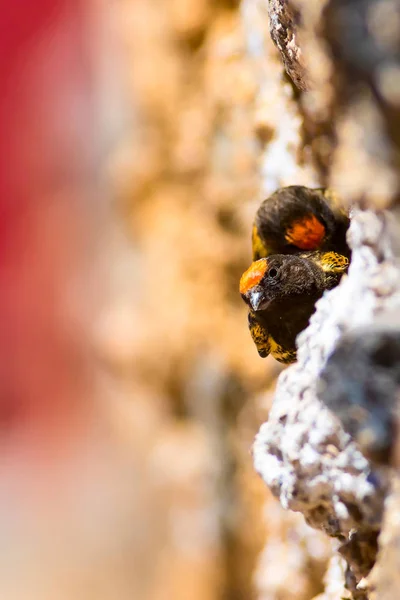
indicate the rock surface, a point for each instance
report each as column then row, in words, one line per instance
column 350, row 126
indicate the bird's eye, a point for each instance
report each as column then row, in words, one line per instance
column 272, row 273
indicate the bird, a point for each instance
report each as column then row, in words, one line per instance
column 281, row 291
column 296, row 219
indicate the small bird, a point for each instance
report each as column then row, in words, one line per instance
column 297, row 219
column 281, row 292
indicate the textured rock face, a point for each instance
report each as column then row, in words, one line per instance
column 283, row 28
column 385, row 577
column 302, row 452
column 346, row 55
column 361, row 383
column 350, row 131
column 364, row 36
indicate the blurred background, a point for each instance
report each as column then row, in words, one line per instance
column 136, row 145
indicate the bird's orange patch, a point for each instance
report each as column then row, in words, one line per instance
column 253, row 275
column 306, row 234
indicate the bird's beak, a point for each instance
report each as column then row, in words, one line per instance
column 256, row 299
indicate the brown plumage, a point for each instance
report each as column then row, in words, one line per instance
column 299, row 251
column 296, row 219
column 281, row 292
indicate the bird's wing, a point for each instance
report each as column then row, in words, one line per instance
column 260, row 336
column 332, row 262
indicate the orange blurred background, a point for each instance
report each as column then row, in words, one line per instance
column 131, row 390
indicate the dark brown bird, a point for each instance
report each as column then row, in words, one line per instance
column 281, row 292
column 297, row 219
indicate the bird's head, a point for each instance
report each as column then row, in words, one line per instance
column 277, row 277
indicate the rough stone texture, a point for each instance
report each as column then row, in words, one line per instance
column 294, row 559
column 385, row 577
column 348, row 114
column 302, row 452
column 334, row 581
column 350, row 50
column 283, row 30
column 346, row 56
column 364, row 36
column 364, row 40
column 276, row 114
column 361, row 383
